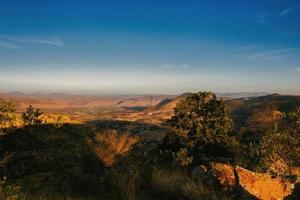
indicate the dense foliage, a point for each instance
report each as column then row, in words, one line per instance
column 199, row 128
column 203, row 118
column 279, row 148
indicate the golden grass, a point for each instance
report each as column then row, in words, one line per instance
column 56, row 119
column 110, row 145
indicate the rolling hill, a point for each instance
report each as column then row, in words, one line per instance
column 252, row 108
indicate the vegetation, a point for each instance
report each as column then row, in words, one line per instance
column 176, row 184
column 10, row 192
column 201, row 124
column 109, row 145
column 31, row 116
column 278, row 149
column 7, row 115
column 101, row 160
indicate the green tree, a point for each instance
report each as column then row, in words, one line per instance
column 203, row 117
column 278, row 149
column 32, row 116
column 203, row 122
column 7, row 114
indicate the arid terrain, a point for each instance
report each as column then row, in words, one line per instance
column 149, row 100
column 152, row 109
column 50, row 142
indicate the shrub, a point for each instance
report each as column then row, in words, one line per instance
column 275, row 152
column 31, row 116
column 123, row 184
column 109, row 145
column 11, row 192
column 7, row 114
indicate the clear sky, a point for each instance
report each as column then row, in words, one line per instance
column 143, row 46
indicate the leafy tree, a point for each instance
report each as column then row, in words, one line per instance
column 7, row 114
column 203, row 118
column 203, row 122
column 275, row 152
column 31, row 116
column 278, row 148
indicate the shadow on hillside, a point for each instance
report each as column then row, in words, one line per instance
column 134, row 108
column 149, row 134
column 132, row 127
column 60, row 160
column 49, row 159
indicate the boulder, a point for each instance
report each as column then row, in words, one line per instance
column 260, row 185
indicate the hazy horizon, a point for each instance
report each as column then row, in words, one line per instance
column 141, row 47
column 87, row 93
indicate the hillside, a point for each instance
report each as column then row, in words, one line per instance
column 255, row 110
column 262, row 109
column 131, row 151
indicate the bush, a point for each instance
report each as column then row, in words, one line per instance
column 11, row 192
column 108, row 146
column 31, row 116
column 199, row 128
column 277, row 150
column 7, row 115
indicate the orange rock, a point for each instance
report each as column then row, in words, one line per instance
column 263, row 186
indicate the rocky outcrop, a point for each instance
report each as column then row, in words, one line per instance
column 261, row 186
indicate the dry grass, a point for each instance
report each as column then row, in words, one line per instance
column 178, row 185
column 110, row 145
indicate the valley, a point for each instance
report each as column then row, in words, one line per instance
column 95, row 142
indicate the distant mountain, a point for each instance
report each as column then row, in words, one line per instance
column 16, row 94
column 263, row 110
column 237, row 95
column 247, row 108
column 163, row 110
column 254, row 110
column 65, row 100
column 143, row 101
column 166, row 106
column 58, row 95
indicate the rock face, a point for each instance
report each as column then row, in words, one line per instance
column 262, row 186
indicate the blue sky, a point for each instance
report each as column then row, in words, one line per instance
column 141, row 47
